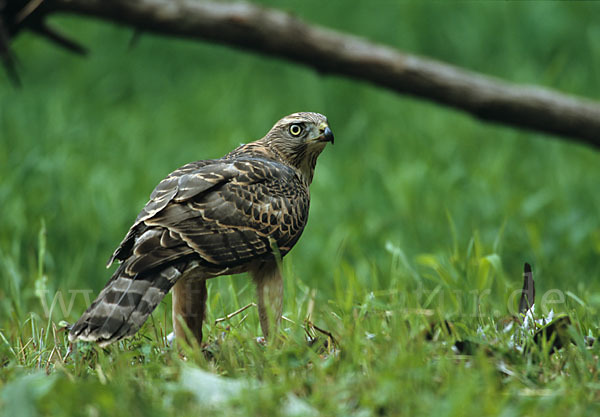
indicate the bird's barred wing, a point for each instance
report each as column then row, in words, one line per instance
column 160, row 197
column 224, row 211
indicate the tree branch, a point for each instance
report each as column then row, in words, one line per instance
column 283, row 35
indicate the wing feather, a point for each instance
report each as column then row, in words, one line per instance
column 224, row 211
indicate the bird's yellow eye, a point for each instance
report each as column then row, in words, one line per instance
column 295, row 130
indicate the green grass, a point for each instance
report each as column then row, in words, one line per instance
column 419, row 214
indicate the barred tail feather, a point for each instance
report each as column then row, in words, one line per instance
column 124, row 304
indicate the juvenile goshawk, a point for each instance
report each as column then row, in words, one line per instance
column 209, row 218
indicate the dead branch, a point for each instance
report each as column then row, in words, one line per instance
column 282, row 35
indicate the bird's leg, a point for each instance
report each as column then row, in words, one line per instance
column 189, row 301
column 269, row 286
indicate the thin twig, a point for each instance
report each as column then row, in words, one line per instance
column 236, row 312
column 22, row 350
column 311, row 326
column 48, row 361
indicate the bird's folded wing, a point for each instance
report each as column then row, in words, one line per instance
column 225, row 211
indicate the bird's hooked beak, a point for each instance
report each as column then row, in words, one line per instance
column 326, row 133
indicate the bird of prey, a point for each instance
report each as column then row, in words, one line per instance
column 225, row 216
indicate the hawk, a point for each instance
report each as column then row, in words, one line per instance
column 236, row 214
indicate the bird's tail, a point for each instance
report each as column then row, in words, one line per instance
column 124, row 304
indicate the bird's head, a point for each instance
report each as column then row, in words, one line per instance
column 299, row 139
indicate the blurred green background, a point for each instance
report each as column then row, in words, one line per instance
column 409, row 190
column 416, row 205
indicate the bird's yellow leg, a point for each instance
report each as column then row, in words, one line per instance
column 189, row 301
column 269, row 287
